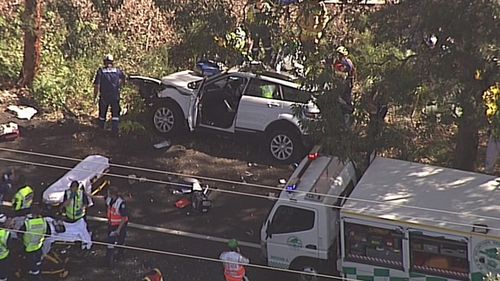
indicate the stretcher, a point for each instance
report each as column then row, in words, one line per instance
column 89, row 173
column 73, row 232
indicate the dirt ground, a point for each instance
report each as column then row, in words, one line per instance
column 232, row 216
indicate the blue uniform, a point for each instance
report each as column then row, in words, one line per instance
column 109, row 81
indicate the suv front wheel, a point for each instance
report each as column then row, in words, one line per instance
column 284, row 146
column 167, row 118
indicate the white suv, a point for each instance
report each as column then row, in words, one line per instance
column 234, row 102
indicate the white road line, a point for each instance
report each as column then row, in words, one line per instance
column 179, row 233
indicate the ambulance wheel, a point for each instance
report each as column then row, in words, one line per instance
column 310, row 273
column 309, row 267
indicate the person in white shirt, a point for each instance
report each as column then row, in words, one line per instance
column 233, row 262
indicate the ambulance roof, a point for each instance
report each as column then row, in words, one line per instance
column 318, row 181
column 407, row 191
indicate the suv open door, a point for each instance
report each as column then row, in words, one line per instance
column 194, row 109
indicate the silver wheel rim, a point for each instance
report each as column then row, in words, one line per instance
column 163, row 119
column 281, row 147
column 309, row 277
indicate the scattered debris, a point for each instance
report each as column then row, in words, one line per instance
column 163, row 144
column 250, row 164
column 182, row 203
column 22, row 112
column 132, row 179
column 282, row 181
column 248, row 174
column 271, row 195
column 9, row 131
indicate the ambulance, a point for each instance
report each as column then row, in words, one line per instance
column 401, row 221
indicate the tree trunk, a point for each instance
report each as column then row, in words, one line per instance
column 32, row 41
column 467, row 145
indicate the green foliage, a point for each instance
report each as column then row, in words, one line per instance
column 11, row 47
column 72, row 51
column 129, row 127
column 197, row 22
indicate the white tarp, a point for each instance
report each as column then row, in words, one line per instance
column 76, row 231
column 91, row 167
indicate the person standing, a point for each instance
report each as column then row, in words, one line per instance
column 491, row 100
column 5, row 246
column 259, row 20
column 33, row 233
column 117, row 223
column 233, row 262
column 75, row 203
column 6, row 183
column 74, row 207
column 107, row 83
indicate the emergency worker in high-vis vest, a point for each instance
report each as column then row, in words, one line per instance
column 5, row 246
column 75, row 203
column 117, row 223
column 312, row 21
column 32, row 234
column 22, row 201
column 259, row 21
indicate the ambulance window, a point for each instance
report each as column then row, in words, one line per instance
column 289, row 219
column 439, row 256
column 373, row 245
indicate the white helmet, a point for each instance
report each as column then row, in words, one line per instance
column 108, row 57
column 3, row 218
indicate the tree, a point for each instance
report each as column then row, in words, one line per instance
column 32, row 41
column 451, row 41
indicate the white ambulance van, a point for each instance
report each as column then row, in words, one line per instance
column 402, row 221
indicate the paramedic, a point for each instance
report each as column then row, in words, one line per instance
column 22, row 201
column 117, row 223
column 107, row 83
column 5, row 246
column 33, row 234
column 233, row 262
column 75, row 203
column 152, row 273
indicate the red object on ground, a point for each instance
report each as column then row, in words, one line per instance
column 182, row 203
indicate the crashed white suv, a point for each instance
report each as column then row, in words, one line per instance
column 234, row 102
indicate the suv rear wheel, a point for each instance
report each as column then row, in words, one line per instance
column 284, row 146
column 167, row 118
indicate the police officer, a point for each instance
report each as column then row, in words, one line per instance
column 117, row 223
column 22, row 201
column 107, row 83
column 75, row 203
column 5, row 246
column 6, row 183
column 33, row 234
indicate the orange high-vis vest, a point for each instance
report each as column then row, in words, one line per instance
column 114, row 217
